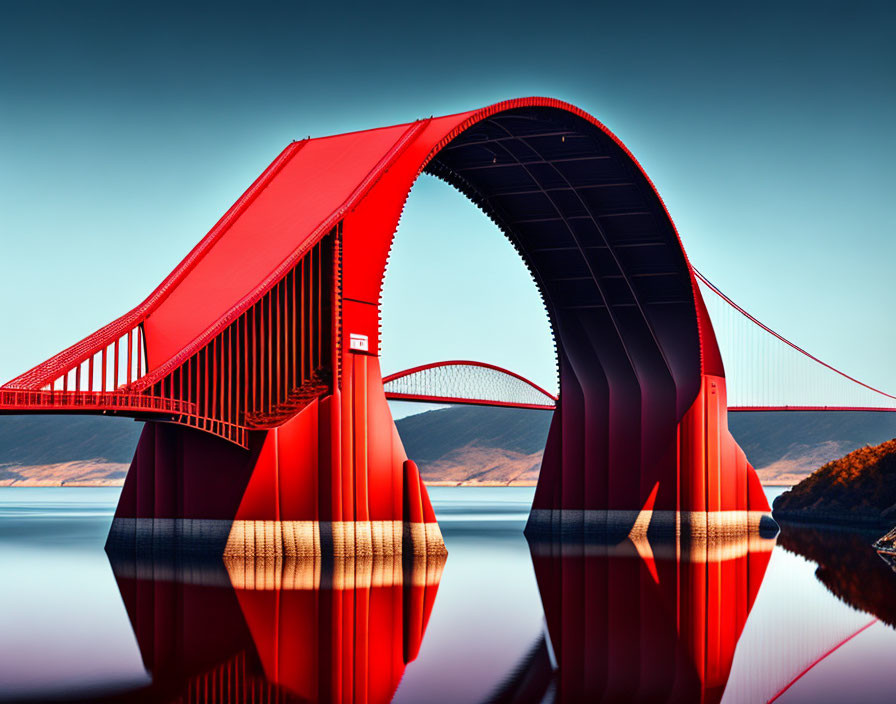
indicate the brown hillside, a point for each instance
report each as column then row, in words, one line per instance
column 859, row 487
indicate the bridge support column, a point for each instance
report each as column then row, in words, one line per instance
column 333, row 480
column 694, row 479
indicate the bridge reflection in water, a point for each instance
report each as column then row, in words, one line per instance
column 277, row 629
column 641, row 620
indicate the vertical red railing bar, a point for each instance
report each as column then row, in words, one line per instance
column 238, row 375
column 204, row 409
column 284, row 340
column 283, row 302
column 225, row 377
column 312, row 308
column 287, row 335
column 244, row 355
column 210, row 381
column 229, row 374
column 303, row 323
column 261, row 355
column 303, row 336
column 270, row 380
column 90, row 373
column 268, row 376
column 214, row 382
column 103, row 364
column 139, row 351
column 320, row 299
column 300, row 330
column 254, row 361
column 116, row 344
column 311, row 326
column 216, row 378
column 223, row 380
column 294, row 337
column 315, row 298
column 190, row 394
column 293, row 331
column 275, row 295
column 78, row 378
column 130, row 355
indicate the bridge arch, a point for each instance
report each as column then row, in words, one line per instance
column 635, row 345
column 467, row 382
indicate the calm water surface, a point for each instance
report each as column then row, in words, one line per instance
column 807, row 620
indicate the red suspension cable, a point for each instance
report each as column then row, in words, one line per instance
column 783, row 339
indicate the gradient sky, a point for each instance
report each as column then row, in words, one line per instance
column 127, row 130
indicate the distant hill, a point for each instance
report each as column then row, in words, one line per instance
column 501, row 445
column 785, row 446
column 470, row 444
column 476, row 444
column 54, row 450
column 859, row 487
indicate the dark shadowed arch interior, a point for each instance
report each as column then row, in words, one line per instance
column 615, row 280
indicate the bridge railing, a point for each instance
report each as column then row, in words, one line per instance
column 21, row 399
column 111, row 367
column 254, row 371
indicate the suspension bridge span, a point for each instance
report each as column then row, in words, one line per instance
column 776, row 374
column 467, row 382
column 255, row 362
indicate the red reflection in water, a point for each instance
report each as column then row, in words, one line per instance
column 278, row 629
column 644, row 621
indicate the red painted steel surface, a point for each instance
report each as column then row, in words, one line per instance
column 254, row 326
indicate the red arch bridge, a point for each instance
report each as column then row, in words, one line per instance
column 255, row 362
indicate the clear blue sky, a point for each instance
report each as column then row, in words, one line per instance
column 126, row 131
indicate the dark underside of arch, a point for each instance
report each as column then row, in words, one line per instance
column 616, row 284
